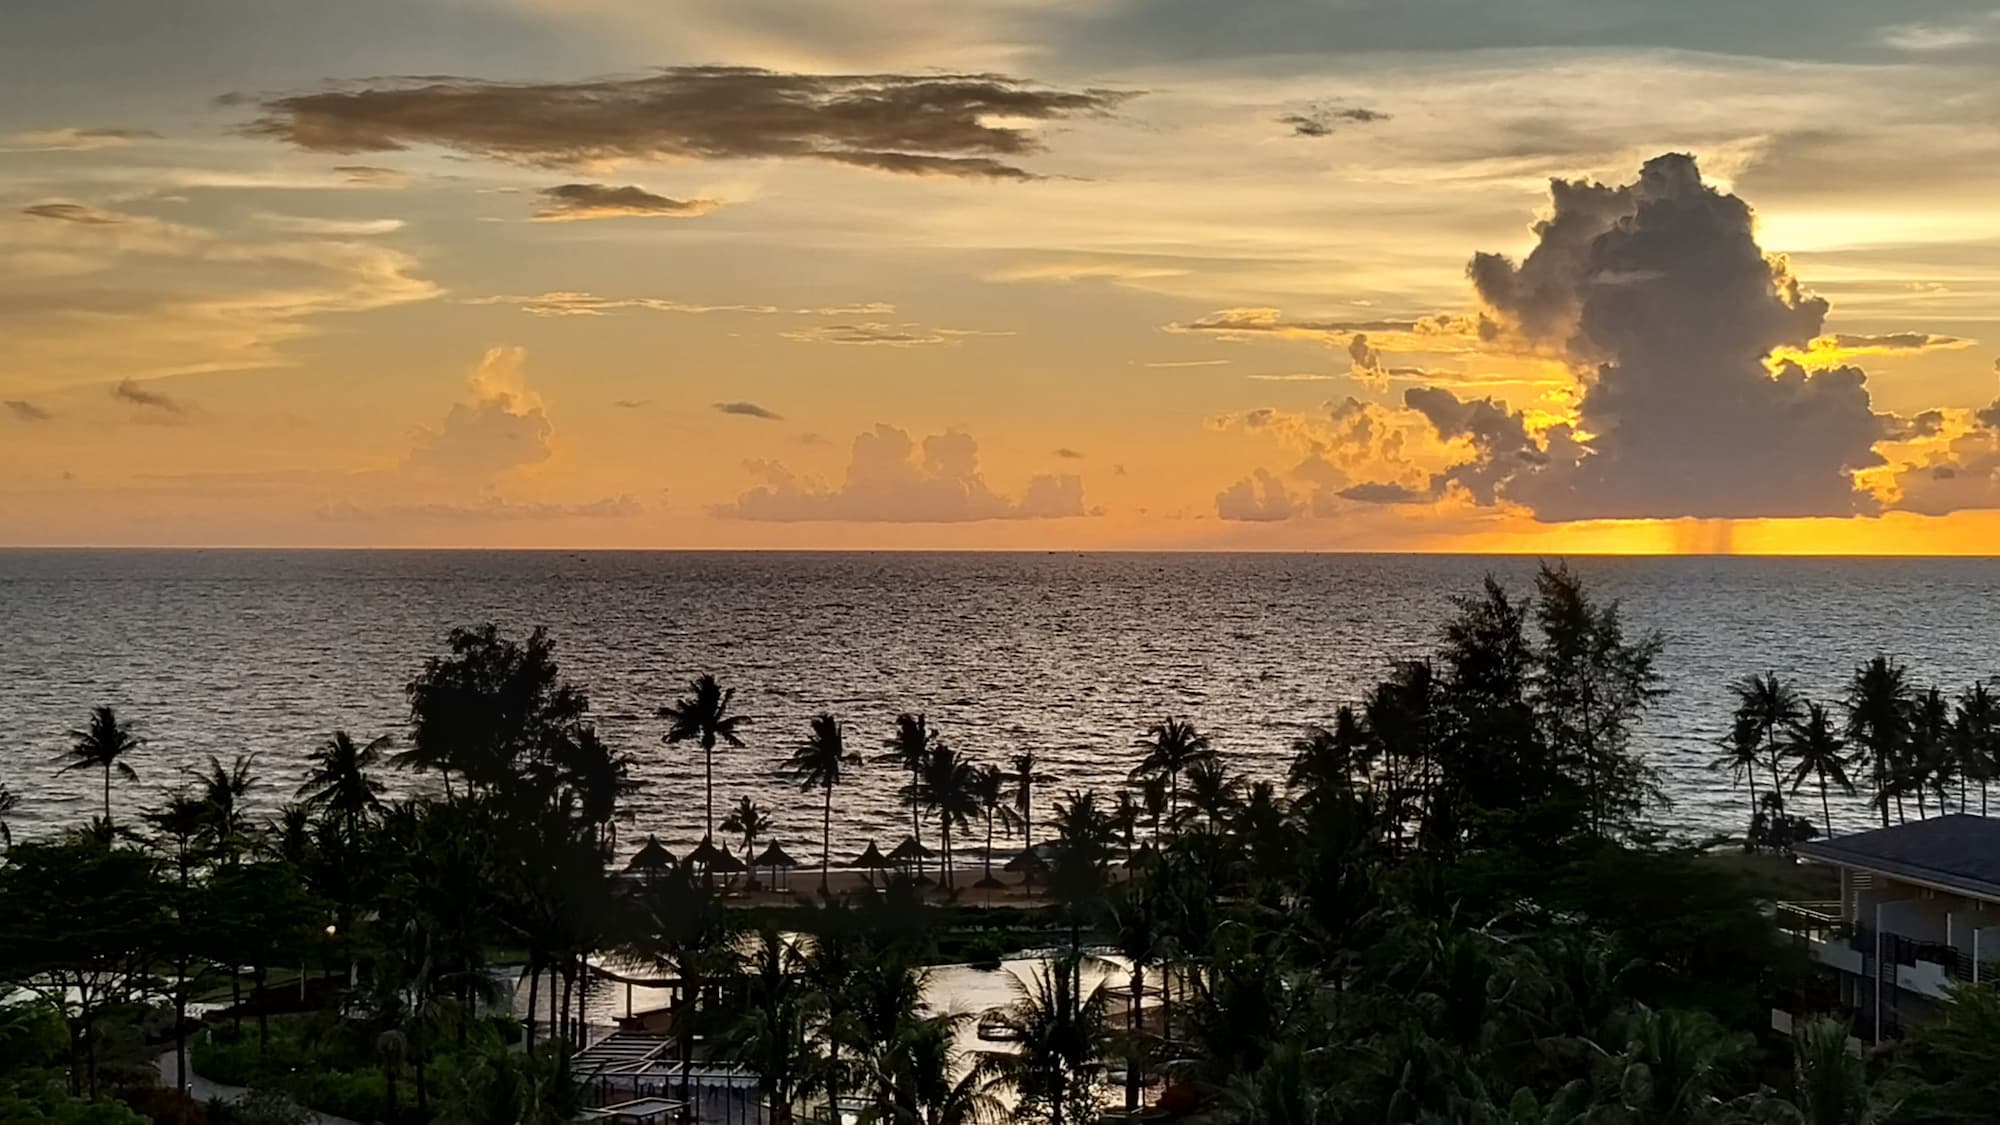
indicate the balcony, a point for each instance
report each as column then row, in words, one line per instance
column 1826, row 937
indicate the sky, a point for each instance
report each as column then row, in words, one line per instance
column 1402, row 275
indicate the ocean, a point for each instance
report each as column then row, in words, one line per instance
column 1072, row 655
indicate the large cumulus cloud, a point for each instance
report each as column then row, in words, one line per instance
column 1659, row 295
column 892, row 479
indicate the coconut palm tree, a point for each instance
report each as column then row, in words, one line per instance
column 1931, row 760
column 104, row 745
column 1171, row 746
column 748, row 821
column 1139, row 933
column 948, row 785
column 1059, row 1026
column 1878, row 725
column 1829, row 1082
column 1771, row 706
column 1742, row 755
column 1212, row 791
column 767, row 1024
column 1817, row 752
column 818, row 762
column 1023, row 774
column 224, row 794
column 702, row 715
column 990, row 784
column 908, row 749
column 340, row 782
column 1975, row 729
column 929, row 1083
column 1327, row 759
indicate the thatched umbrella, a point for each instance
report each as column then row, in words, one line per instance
column 871, row 861
column 1029, row 863
column 912, row 852
column 652, row 857
column 774, row 857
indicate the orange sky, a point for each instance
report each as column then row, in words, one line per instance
column 1159, row 285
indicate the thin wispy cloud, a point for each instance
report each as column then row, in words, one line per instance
column 749, row 410
column 135, row 394
column 21, row 410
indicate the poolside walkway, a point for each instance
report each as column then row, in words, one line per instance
column 201, row 1090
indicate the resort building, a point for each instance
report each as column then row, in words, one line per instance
column 1918, row 913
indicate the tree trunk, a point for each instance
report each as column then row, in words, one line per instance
column 826, row 845
column 1132, row 1026
column 534, row 994
column 1825, row 809
column 423, row 1086
column 107, row 796
column 708, row 773
column 389, row 1079
column 944, row 875
column 263, row 1010
column 989, row 844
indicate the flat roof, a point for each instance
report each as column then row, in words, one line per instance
column 1959, row 852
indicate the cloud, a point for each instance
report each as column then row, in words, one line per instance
column 1187, row 363
column 572, row 303
column 21, row 410
column 1659, row 297
column 74, row 213
column 879, row 334
column 570, row 202
column 369, row 175
column 749, row 410
column 1430, row 333
column 1321, row 120
column 859, row 308
column 1294, row 377
column 492, row 508
column 1385, row 492
column 70, row 139
column 932, row 124
column 890, row 479
column 1068, row 454
column 330, row 228
column 503, row 427
column 130, row 392
column 1947, row 36
column 631, row 403
column 1258, row 498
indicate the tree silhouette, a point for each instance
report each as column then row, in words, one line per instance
column 1817, row 752
column 908, row 750
column 748, row 821
column 103, row 744
column 1878, row 724
column 947, row 785
column 819, row 762
column 1975, row 733
column 339, row 780
column 1171, row 746
column 702, row 716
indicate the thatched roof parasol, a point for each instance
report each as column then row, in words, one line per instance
column 774, row 856
column 871, row 859
column 989, row 883
column 651, row 856
column 1028, row 860
column 718, row 860
column 910, row 851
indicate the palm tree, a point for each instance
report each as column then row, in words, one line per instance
column 990, row 785
column 923, row 1089
column 818, row 763
column 749, row 822
column 1139, row 933
column 1326, row 760
column 1771, row 706
column 908, row 749
column 1817, row 752
column 9, row 801
column 224, row 793
column 948, row 785
column 1212, row 791
column 1059, row 1027
column 1742, row 755
column 1976, row 738
column 1931, row 761
column 102, row 745
column 1878, row 724
column 1024, row 772
column 1829, row 1082
column 767, row 1026
column 1171, row 746
column 702, row 715
column 340, row 782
